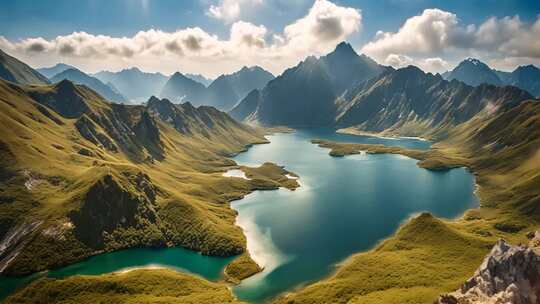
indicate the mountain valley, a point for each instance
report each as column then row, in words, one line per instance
column 84, row 171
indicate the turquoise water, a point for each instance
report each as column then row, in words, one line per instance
column 344, row 205
column 175, row 258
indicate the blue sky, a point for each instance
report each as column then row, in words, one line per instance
column 24, row 19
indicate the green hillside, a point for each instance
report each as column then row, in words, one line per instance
column 82, row 176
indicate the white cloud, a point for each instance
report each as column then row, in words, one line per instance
column 248, row 35
column 325, row 23
column 437, row 33
column 428, row 33
column 433, row 65
column 398, row 60
column 195, row 50
column 231, row 10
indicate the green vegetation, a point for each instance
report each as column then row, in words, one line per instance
column 269, row 176
column 241, row 268
column 433, row 159
column 429, row 256
column 136, row 286
column 81, row 176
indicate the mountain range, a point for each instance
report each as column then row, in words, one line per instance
column 223, row 93
column 330, row 91
column 410, row 101
column 474, row 72
column 134, row 83
column 305, row 94
column 56, row 69
column 79, row 77
column 81, row 176
column 200, row 78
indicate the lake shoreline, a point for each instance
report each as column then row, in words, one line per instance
column 357, row 132
column 335, row 266
column 478, row 224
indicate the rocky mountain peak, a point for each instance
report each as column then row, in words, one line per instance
column 529, row 70
column 133, row 69
column 153, row 99
column 508, row 274
column 344, row 48
column 177, row 74
column 65, row 85
column 473, row 61
column 410, row 69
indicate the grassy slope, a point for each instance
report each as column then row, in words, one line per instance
column 429, row 256
column 136, row 286
column 190, row 207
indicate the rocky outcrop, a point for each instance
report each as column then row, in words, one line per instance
column 109, row 205
column 64, row 99
column 508, row 274
column 89, row 131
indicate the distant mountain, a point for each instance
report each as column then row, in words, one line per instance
column 223, row 93
column 305, row 94
column 11, row 69
column 93, row 83
column 134, row 83
column 474, row 72
column 56, row 69
column 200, row 78
column 527, row 78
column 227, row 90
column 410, row 102
column 180, row 88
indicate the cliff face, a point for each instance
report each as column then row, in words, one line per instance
column 509, row 274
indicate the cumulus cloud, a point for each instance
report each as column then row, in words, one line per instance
column 247, row 34
column 231, row 10
column 194, row 49
column 398, row 60
column 433, row 65
column 437, row 33
column 325, row 23
column 428, row 33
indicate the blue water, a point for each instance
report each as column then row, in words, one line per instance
column 344, row 205
column 180, row 259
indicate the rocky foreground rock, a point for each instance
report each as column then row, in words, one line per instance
column 509, row 274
